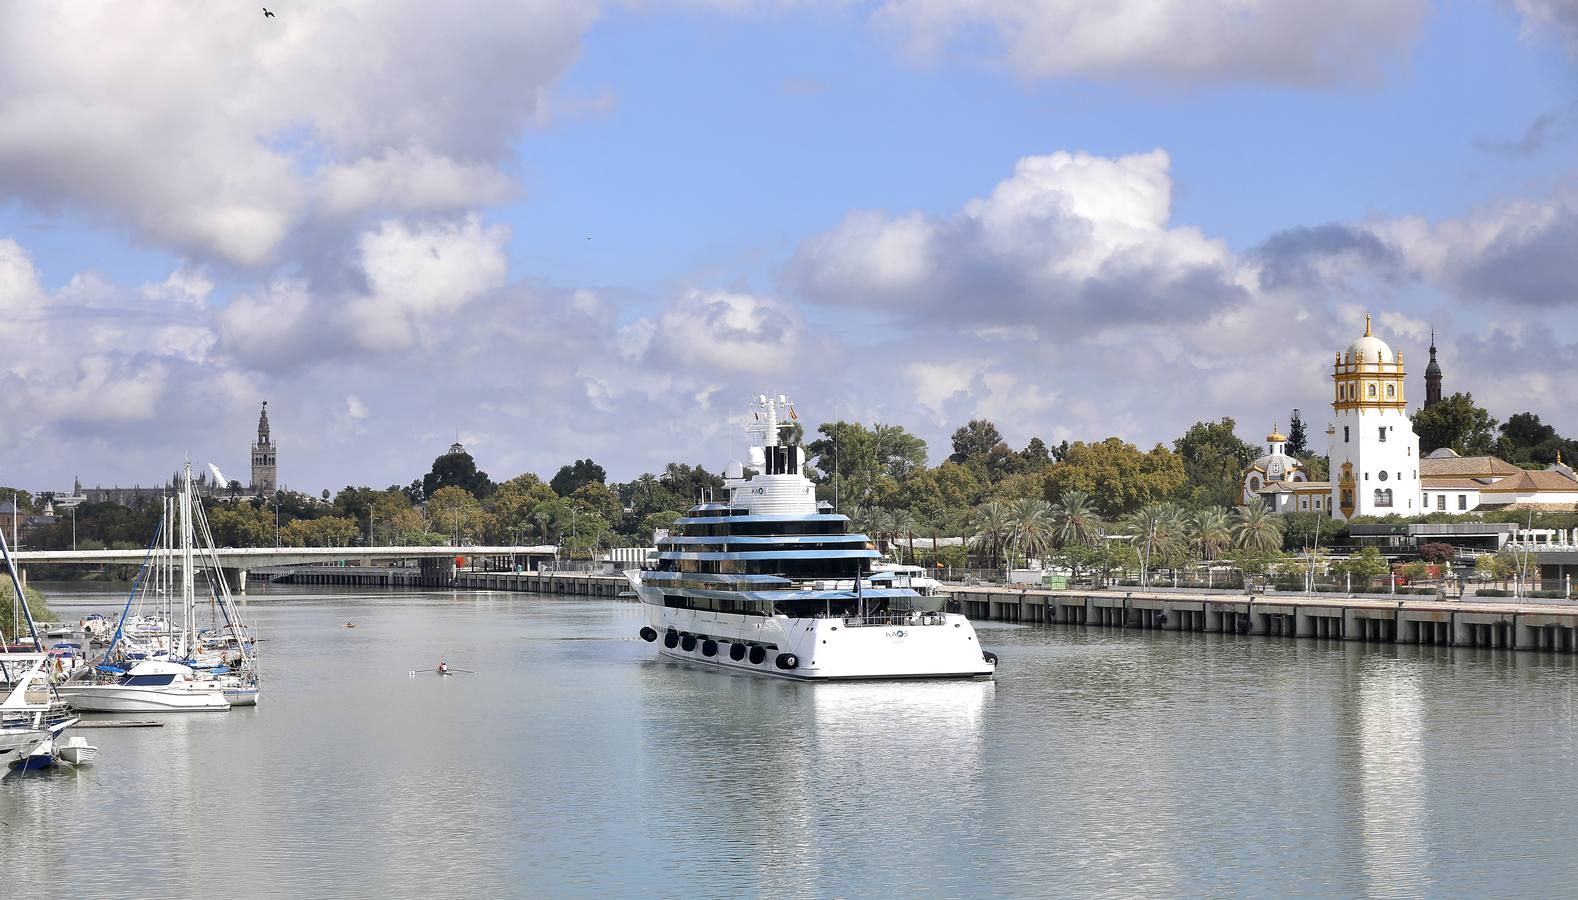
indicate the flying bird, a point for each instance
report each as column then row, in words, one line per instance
column 267, row 14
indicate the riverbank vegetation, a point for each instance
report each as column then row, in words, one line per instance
column 1086, row 506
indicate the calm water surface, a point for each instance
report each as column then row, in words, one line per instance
column 1103, row 764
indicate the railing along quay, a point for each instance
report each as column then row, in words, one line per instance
column 1514, row 625
column 577, row 583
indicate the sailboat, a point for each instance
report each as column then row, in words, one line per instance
column 32, row 715
column 161, row 682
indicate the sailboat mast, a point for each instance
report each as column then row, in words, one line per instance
column 188, row 598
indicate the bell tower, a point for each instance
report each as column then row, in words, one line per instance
column 1432, row 376
column 1373, row 444
column 263, row 457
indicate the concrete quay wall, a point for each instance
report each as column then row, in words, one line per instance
column 1505, row 626
column 578, row 584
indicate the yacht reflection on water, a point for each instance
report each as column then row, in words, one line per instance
column 761, row 758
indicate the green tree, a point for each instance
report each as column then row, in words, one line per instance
column 572, row 477
column 511, row 506
column 241, row 525
column 326, row 531
column 595, row 497
column 456, row 468
column 1457, row 423
column 395, row 520
column 1257, row 529
column 849, row 462
column 1117, row 476
column 1034, row 527
column 974, row 441
column 1034, row 457
column 1214, row 460
column 899, row 453
column 1210, row 532
column 1525, row 439
column 1298, row 437
column 1364, row 566
column 454, row 511
column 1155, row 528
column 1075, row 520
column 993, row 527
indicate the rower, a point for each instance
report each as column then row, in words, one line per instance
column 443, row 668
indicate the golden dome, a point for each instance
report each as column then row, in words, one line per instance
column 1276, row 437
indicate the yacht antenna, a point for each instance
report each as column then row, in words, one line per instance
column 837, row 427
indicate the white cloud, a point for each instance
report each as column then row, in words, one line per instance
column 728, row 330
column 412, row 180
column 188, row 285
column 1283, row 41
column 222, row 140
column 418, row 272
column 107, row 389
column 267, row 323
column 20, row 290
column 1071, row 238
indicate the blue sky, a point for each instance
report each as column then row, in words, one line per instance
column 564, row 233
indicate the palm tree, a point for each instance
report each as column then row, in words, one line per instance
column 1155, row 528
column 1075, row 519
column 904, row 524
column 1258, row 529
column 1033, row 526
column 992, row 526
column 1210, row 531
column 879, row 524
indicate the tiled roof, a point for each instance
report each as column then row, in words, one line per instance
column 1466, row 465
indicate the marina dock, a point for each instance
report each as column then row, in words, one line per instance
column 1506, row 625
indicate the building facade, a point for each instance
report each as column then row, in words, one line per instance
column 1374, row 451
column 1373, row 454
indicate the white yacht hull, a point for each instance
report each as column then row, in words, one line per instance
column 932, row 645
column 116, row 698
column 13, row 740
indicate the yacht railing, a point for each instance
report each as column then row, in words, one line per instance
column 891, row 619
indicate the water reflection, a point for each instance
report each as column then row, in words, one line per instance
column 1391, row 775
column 1100, row 764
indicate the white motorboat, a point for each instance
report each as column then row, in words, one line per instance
column 773, row 583
column 150, row 686
column 76, row 750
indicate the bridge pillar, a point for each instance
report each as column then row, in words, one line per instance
column 236, row 579
column 439, row 572
column 21, row 574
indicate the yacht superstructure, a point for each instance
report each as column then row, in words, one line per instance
column 773, row 583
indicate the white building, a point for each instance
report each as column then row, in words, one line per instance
column 1279, row 481
column 1374, row 451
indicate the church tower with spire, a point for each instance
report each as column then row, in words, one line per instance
column 1432, row 375
column 263, row 458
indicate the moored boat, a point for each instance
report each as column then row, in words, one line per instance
column 771, row 582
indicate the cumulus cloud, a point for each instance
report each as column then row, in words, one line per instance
column 1283, row 41
column 1515, row 251
column 727, row 330
column 219, row 142
column 419, row 272
column 1081, row 240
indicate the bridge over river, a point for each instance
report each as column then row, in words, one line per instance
column 437, row 563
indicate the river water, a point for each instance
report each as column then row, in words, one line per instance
column 1098, row 764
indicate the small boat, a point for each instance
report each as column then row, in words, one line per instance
column 76, row 750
